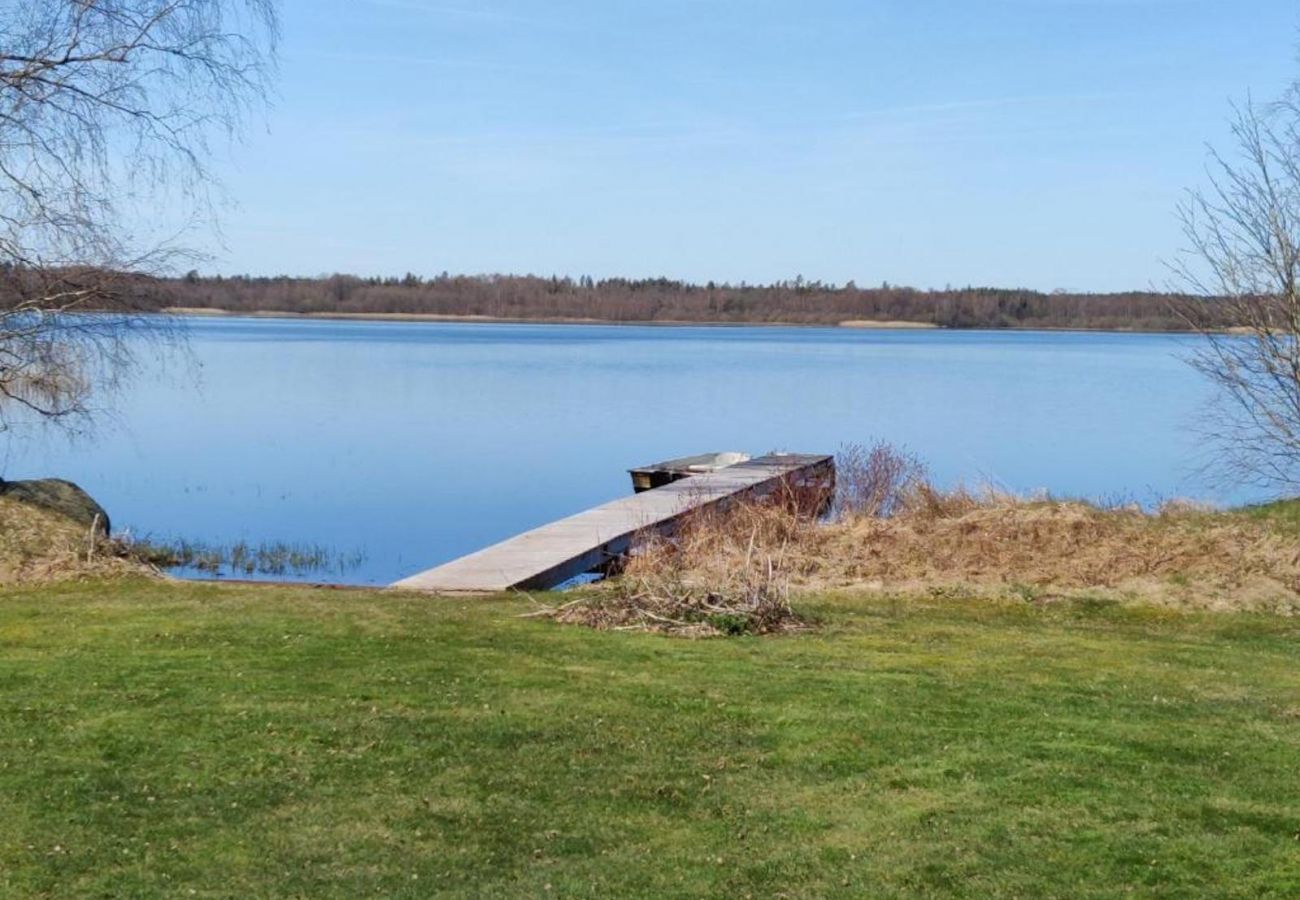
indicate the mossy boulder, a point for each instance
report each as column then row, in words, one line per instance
column 61, row 497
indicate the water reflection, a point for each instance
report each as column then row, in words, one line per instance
column 413, row 443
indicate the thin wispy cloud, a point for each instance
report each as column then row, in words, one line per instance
column 592, row 136
column 987, row 103
column 479, row 65
column 479, row 13
column 542, row 69
column 939, row 123
column 835, row 118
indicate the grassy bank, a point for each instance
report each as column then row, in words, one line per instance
column 164, row 739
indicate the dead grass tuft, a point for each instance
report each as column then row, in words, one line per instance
column 37, row 546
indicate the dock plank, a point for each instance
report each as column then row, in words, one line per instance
column 554, row 553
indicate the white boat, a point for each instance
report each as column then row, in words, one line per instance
column 645, row 478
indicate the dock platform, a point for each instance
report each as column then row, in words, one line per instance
column 553, row 554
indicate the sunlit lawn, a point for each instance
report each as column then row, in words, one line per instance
column 199, row 740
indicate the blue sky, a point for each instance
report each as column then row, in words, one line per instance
column 1039, row 143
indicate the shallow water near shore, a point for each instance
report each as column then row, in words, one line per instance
column 405, row 444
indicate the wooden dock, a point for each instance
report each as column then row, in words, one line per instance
column 551, row 555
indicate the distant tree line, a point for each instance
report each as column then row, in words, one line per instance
column 665, row 300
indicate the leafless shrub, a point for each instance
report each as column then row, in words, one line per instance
column 875, row 481
column 1241, row 268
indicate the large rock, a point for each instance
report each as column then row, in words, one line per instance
column 59, row 496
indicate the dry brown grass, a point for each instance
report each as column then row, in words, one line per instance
column 734, row 572
column 723, row 572
column 1040, row 549
column 37, row 545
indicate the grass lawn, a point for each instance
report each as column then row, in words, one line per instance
column 199, row 740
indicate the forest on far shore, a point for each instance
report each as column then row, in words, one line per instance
column 664, row 300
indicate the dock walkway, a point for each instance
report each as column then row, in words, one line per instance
column 552, row 554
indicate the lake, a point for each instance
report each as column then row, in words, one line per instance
column 413, row 443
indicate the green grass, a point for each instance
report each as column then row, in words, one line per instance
column 200, row 740
column 1280, row 513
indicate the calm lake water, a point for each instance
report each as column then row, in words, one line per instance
column 414, row 443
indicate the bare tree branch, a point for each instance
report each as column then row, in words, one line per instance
column 106, row 104
column 1241, row 269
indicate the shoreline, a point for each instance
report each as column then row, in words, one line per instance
column 217, row 313
column 469, row 319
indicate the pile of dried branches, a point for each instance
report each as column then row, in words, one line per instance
column 725, row 572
